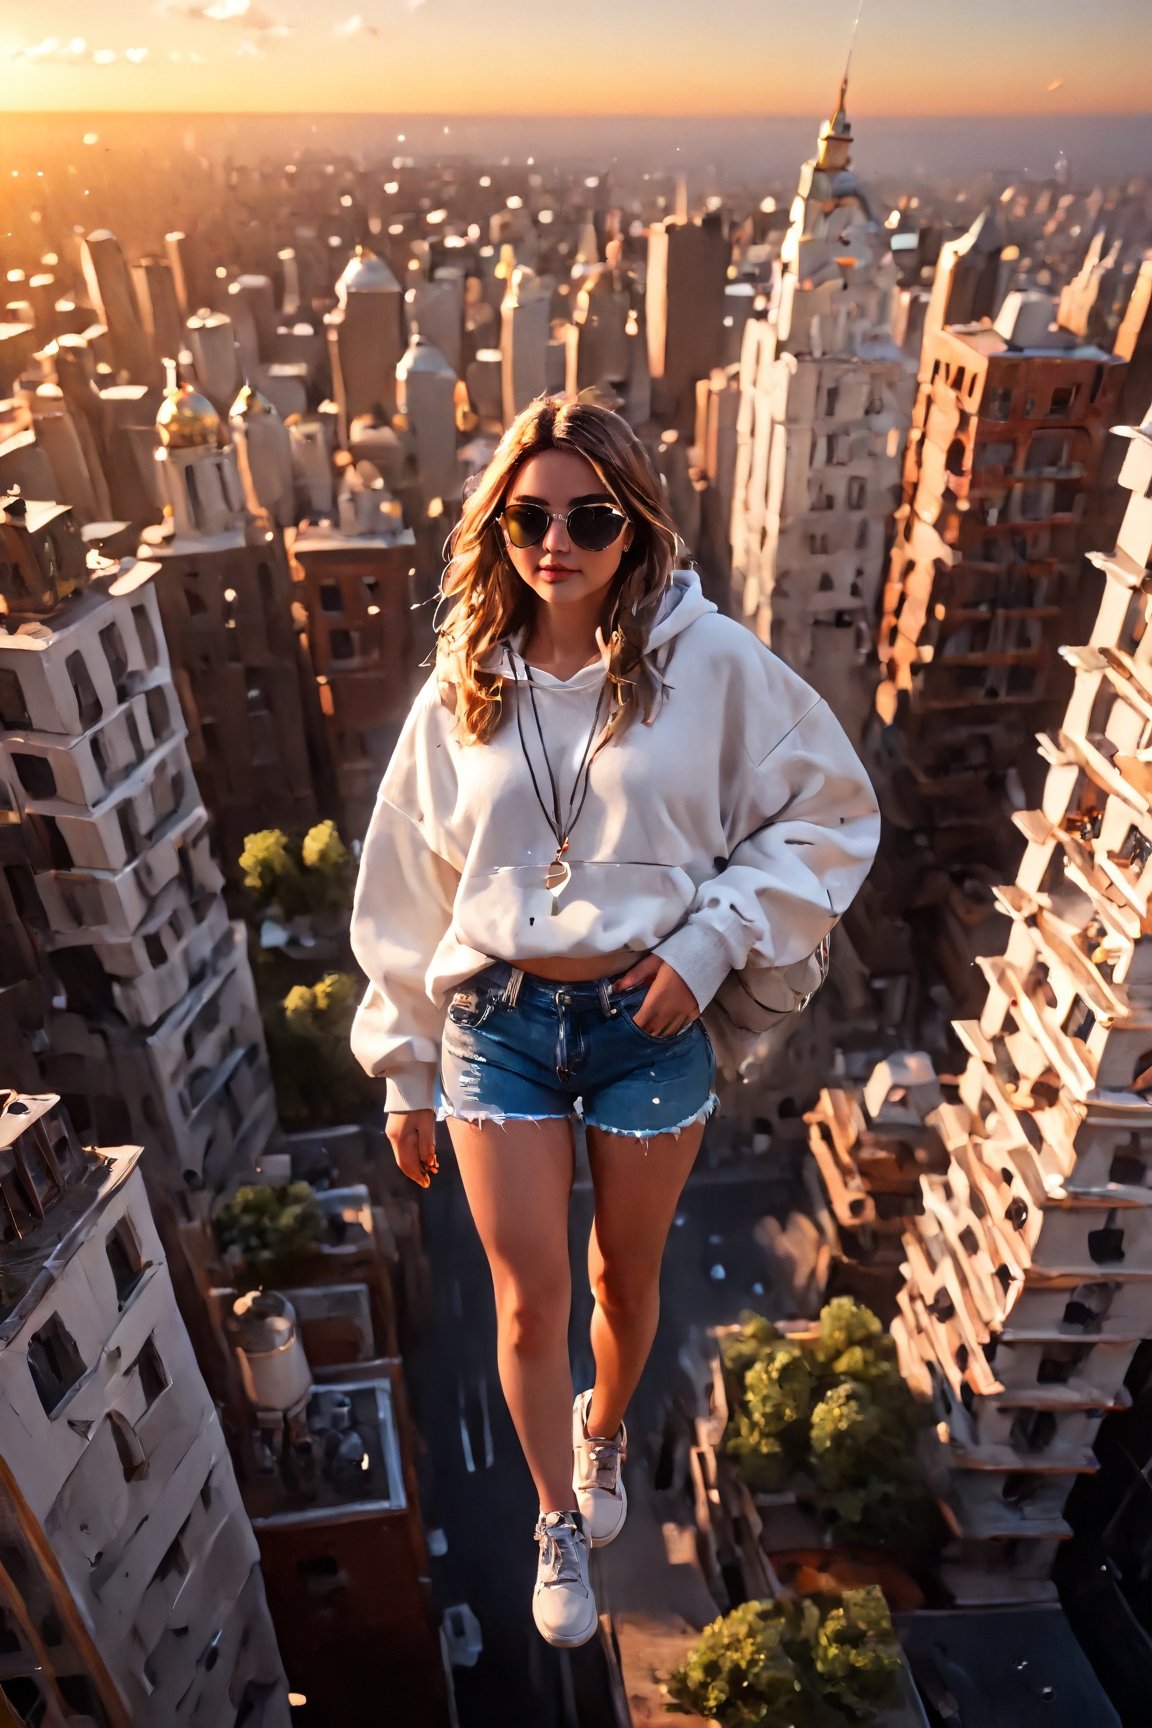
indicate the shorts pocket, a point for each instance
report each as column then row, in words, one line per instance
column 652, row 1037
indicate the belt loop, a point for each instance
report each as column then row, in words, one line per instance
column 605, row 1002
column 512, row 988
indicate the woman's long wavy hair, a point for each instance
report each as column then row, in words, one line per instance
column 493, row 602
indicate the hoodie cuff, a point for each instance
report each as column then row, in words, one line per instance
column 411, row 1087
column 696, row 952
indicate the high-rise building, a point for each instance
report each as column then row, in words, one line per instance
column 1003, row 455
column 825, row 398
column 356, row 579
column 1028, row 1268
column 130, row 1588
column 226, row 600
column 154, row 1033
column 684, row 304
column 366, row 337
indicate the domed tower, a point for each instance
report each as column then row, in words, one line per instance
column 264, row 452
column 226, row 601
column 199, row 483
column 365, row 337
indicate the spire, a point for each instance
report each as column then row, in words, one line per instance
column 836, row 133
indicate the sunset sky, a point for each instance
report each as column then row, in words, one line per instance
column 585, row 56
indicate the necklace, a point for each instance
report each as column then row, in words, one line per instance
column 559, row 872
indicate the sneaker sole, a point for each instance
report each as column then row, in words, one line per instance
column 571, row 1643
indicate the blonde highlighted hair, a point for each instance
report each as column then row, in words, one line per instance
column 493, row 602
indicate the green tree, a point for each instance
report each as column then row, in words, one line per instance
column 318, row 1080
column 770, row 1427
column 806, row 1662
column 270, row 1229
column 741, row 1674
column 833, row 1411
column 310, row 875
column 856, row 1655
column 270, row 870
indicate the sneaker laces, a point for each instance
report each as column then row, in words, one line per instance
column 559, row 1551
column 599, row 1461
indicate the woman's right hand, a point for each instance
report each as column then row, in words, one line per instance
column 412, row 1135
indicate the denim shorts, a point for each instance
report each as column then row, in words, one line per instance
column 519, row 1048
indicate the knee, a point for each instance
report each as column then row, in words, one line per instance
column 531, row 1321
column 631, row 1287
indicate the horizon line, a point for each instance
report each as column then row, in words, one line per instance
column 582, row 114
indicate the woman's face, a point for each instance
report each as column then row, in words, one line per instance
column 558, row 572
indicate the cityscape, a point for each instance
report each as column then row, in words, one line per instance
column 889, row 1458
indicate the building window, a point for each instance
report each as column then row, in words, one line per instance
column 1088, row 1308
column 153, row 1374
column 27, row 1702
column 146, row 634
column 54, row 1363
column 123, row 1249
column 1129, row 1168
column 133, row 1461
column 13, row 711
column 857, row 492
column 83, row 688
column 1062, row 399
column 331, row 599
column 1033, row 1431
column 35, row 773
column 1060, row 1362
column 1106, row 1245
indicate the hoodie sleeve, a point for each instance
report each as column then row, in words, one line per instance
column 803, row 828
column 403, row 907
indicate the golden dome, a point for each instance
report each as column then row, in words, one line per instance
column 187, row 420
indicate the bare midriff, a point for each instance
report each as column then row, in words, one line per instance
column 572, row 971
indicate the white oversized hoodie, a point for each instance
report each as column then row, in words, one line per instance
column 737, row 826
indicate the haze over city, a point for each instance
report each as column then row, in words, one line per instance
column 670, row 58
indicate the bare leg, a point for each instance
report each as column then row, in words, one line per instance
column 518, row 1180
column 637, row 1185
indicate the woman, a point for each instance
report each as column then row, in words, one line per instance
column 605, row 799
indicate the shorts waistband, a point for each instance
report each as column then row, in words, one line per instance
column 516, row 983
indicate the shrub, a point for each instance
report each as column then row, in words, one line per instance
column 318, row 1080
column 808, row 1662
column 313, row 875
column 270, row 1229
column 832, row 1412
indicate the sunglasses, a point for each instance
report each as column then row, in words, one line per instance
column 592, row 527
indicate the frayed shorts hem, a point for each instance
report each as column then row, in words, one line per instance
column 700, row 1115
column 446, row 1112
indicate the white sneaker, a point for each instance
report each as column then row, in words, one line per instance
column 596, row 1479
column 563, row 1605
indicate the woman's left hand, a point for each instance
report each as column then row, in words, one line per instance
column 668, row 1007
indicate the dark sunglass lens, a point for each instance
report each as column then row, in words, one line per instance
column 525, row 524
column 595, row 526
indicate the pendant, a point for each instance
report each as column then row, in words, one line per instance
column 557, row 878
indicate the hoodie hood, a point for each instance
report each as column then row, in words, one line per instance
column 682, row 603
